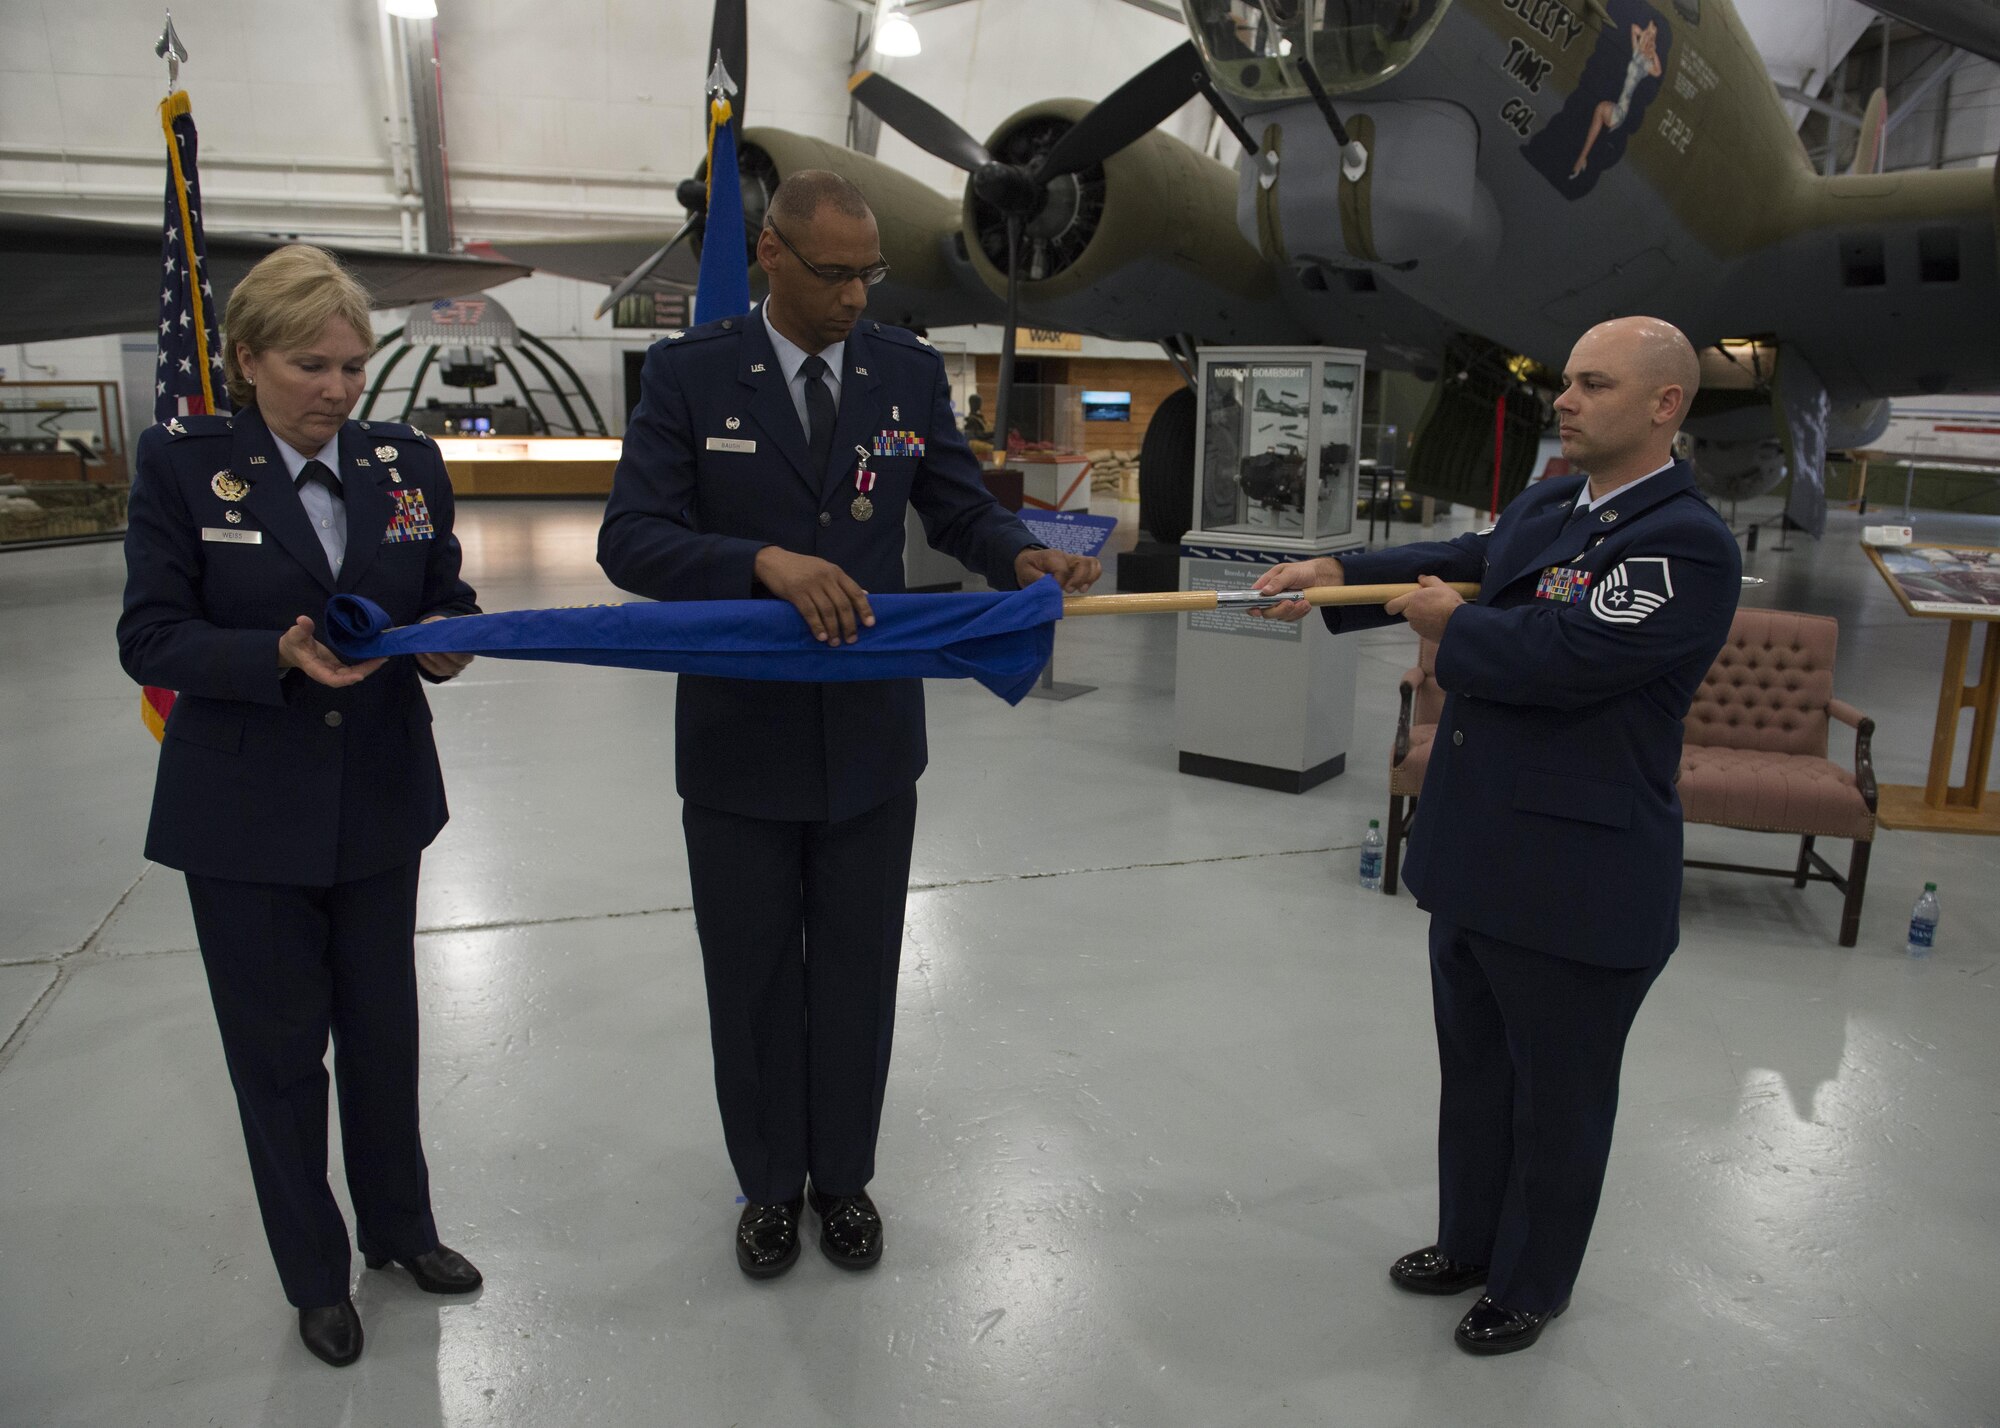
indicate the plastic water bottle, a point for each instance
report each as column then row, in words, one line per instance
column 1923, row 921
column 1371, row 862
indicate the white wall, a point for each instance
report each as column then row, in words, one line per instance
column 562, row 117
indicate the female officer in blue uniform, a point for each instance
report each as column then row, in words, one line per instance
column 1547, row 845
column 296, row 792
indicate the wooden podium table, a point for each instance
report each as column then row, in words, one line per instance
column 1966, row 597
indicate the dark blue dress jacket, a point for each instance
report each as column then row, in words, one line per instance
column 1549, row 816
column 264, row 775
column 715, row 468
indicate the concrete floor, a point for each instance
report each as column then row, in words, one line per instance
column 1161, row 1113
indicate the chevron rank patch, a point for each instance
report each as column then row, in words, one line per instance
column 1633, row 590
column 409, row 518
column 1564, row 584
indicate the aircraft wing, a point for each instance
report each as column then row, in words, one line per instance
column 1968, row 24
column 72, row 277
column 600, row 258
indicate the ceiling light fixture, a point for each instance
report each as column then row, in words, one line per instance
column 897, row 37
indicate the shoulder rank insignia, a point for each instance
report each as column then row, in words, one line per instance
column 676, row 334
column 228, row 486
column 174, row 426
column 1634, row 590
column 385, row 453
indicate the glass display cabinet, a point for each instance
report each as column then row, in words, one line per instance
column 1278, row 441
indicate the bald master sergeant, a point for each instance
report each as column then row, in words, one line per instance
column 1547, row 844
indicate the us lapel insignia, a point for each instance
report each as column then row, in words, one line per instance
column 860, row 371
column 385, row 453
column 229, row 486
column 756, row 366
column 363, row 461
column 258, row 461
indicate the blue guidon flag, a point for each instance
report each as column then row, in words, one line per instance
column 188, row 379
column 1002, row 639
column 723, row 289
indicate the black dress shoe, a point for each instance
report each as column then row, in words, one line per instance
column 1425, row 1271
column 1490, row 1328
column 767, row 1238
column 332, row 1333
column 439, row 1271
column 850, row 1228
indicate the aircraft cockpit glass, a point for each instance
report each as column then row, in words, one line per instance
column 1250, row 46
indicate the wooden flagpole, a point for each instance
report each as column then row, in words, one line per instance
column 1166, row 602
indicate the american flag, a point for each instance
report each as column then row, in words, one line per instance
column 189, row 380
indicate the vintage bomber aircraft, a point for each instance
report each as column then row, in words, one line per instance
column 1496, row 175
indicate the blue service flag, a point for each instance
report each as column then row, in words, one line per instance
column 1002, row 639
column 724, row 287
column 188, row 380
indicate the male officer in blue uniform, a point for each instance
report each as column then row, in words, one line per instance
column 775, row 455
column 1547, row 845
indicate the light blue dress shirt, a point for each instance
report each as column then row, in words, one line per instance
column 328, row 514
column 791, row 357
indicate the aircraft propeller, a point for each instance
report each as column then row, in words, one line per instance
column 1019, row 191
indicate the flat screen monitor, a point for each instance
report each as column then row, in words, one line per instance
column 1107, row 406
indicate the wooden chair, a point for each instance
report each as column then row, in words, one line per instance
column 1416, row 726
column 1756, row 752
column 1754, row 757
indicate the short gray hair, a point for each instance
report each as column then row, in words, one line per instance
column 800, row 195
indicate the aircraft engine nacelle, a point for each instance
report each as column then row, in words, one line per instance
column 1738, row 470
column 1141, row 245
column 1419, row 198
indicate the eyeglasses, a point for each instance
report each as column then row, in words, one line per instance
column 832, row 277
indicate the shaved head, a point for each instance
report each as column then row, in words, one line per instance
column 1660, row 351
column 1626, row 392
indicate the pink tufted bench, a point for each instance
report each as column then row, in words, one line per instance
column 1755, row 755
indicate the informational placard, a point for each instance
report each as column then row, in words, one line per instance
column 1236, row 575
column 1072, row 532
column 1944, row 580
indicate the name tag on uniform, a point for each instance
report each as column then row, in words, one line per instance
column 731, row 443
column 232, row 537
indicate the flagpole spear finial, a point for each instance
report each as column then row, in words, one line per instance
column 172, row 51
column 719, row 82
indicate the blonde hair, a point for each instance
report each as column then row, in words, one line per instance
column 284, row 303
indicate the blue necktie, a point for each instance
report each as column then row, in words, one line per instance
column 319, row 471
column 819, row 414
